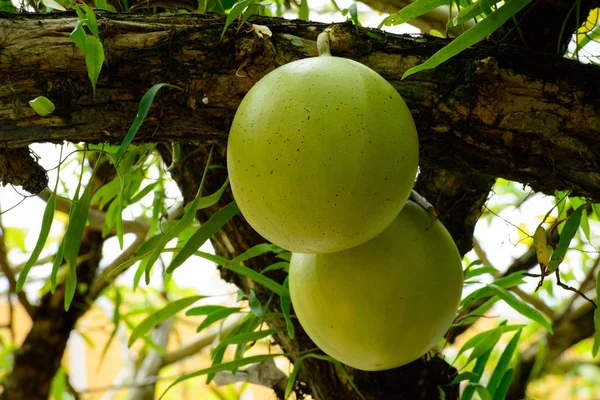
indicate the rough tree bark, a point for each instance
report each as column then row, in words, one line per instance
column 495, row 110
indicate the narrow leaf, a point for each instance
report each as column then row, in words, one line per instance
column 72, row 240
column 246, row 337
column 463, row 376
column 205, row 310
column 475, row 34
column 504, row 385
column 303, row 10
column 412, row 10
column 503, row 362
column 94, row 58
column 260, row 279
column 472, row 272
column 39, row 246
column 286, row 306
column 143, row 109
column 216, row 316
column 292, row 379
column 256, row 251
column 566, row 235
column 478, row 370
column 58, row 259
column 162, row 315
column 221, row 367
column 284, row 265
column 255, row 305
column 235, row 12
column 205, row 232
column 521, row 307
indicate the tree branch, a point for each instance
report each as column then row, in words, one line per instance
column 500, row 110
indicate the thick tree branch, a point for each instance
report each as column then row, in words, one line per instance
column 497, row 109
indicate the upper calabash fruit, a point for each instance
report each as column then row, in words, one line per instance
column 322, row 155
column 385, row 303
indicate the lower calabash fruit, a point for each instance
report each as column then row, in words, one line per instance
column 385, row 303
column 322, row 155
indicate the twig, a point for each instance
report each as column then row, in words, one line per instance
column 588, row 278
column 567, row 287
column 481, row 253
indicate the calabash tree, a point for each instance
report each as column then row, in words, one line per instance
column 505, row 95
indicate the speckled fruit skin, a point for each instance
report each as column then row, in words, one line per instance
column 322, row 155
column 385, row 303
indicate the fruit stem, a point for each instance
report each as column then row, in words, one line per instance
column 422, row 201
column 323, row 44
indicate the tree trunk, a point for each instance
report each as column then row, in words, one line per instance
column 39, row 357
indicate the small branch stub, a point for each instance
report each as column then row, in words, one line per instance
column 323, row 44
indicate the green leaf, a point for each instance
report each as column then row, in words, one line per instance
column 502, row 365
column 58, row 386
column 255, row 305
column 90, row 18
column 567, row 234
column 52, row 4
column 162, row 315
column 143, row 193
column 42, row 105
column 514, row 279
column 217, row 316
column 94, row 58
column 478, row 370
column 472, row 272
column 483, row 336
column 303, row 10
column 205, row 232
column 145, row 104
column 39, row 245
column 463, row 376
column 205, row 310
column 292, row 378
column 521, row 307
column 489, row 340
column 585, row 226
column 72, row 240
column 441, row 393
column 235, row 12
column 256, row 251
column 185, row 221
column 413, row 10
column 284, row 265
column 58, row 259
column 481, row 391
column 221, row 367
column 353, row 14
column 260, row 279
column 78, row 36
column 106, row 193
column 596, row 345
column 286, row 306
column 502, row 390
column 246, row 337
column 478, row 32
